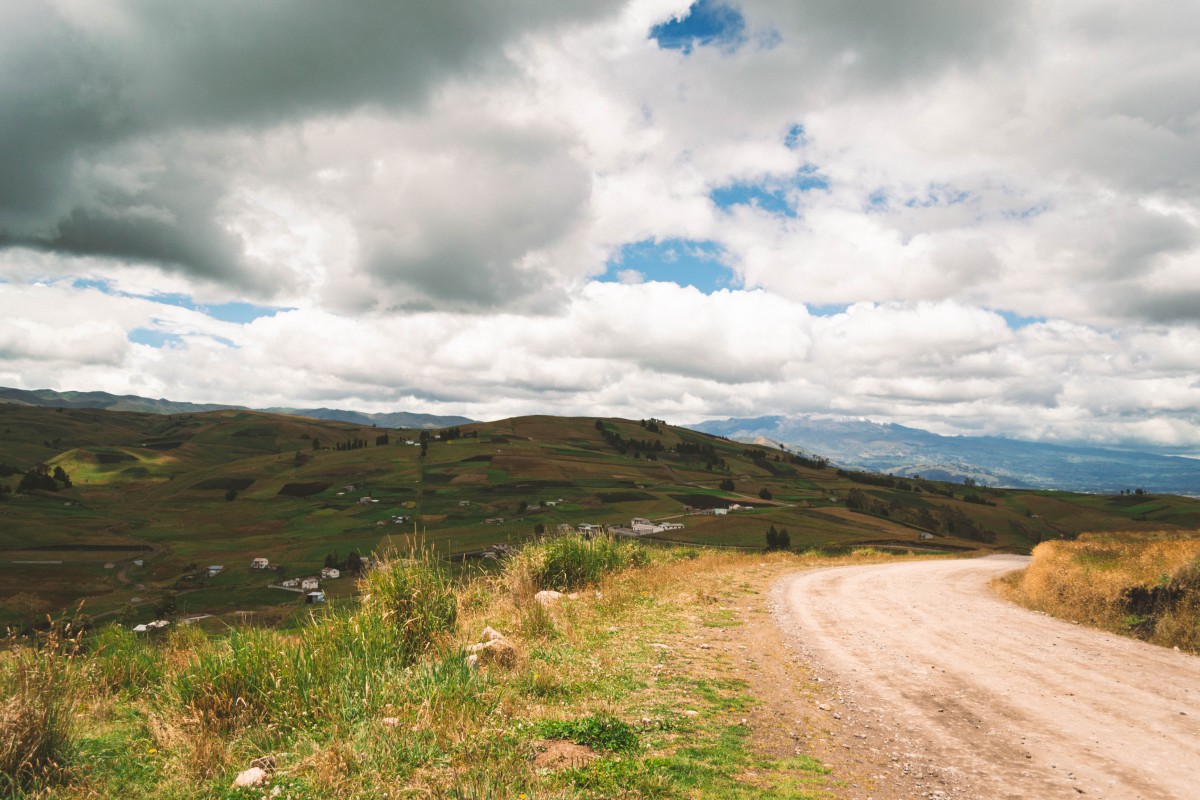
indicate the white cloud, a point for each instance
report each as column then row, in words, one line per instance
column 432, row 201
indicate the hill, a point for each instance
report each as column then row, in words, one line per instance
column 988, row 460
column 180, row 492
column 48, row 398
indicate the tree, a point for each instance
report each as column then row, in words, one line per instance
column 521, row 506
column 539, row 529
column 62, row 477
column 727, row 485
column 230, row 494
column 785, row 539
column 772, row 538
column 764, row 493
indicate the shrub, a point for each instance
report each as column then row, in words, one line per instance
column 415, row 596
column 571, row 561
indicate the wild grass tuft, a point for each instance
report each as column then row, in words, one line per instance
column 40, row 689
column 120, row 660
column 572, row 561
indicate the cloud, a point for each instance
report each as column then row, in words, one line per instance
column 972, row 217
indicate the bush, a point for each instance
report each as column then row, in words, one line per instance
column 571, row 561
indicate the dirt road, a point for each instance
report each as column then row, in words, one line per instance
column 923, row 657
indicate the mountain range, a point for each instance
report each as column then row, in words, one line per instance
column 128, row 402
column 847, row 442
column 987, row 460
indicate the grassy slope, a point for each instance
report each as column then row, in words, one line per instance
column 140, row 480
column 635, row 682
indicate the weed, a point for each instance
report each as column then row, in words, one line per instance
column 40, row 687
column 599, row 731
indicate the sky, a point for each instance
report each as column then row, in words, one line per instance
column 969, row 216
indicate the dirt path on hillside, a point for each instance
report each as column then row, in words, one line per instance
column 928, row 685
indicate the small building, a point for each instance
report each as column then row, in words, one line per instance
column 139, row 562
column 464, row 503
column 366, row 501
column 670, row 526
column 291, row 583
column 720, row 512
column 214, row 570
column 925, row 536
column 308, row 584
column 588, row 529
column 330, row 573
column 260, row 563
column 315, row 597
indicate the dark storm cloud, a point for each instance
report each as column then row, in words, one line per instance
column 94, row 96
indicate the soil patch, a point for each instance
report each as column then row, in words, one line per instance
column 303, row 489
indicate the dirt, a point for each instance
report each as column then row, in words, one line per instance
column 914, row 680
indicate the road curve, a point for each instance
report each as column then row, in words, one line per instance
column 1017, row 704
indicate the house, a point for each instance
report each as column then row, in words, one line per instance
column 259, row 563
column 149, row 627
column 138, row 562
column 291, row 583
column 464, row 503
column 330, row 573
column 670, row 526
column 925, row 536
column 642, row 526
column 720, row 512
column 315, row 597
column 214, row 570
column 366, row 501
column 308, row 584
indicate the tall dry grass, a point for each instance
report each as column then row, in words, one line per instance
column 1142, row 584
column 39, row 692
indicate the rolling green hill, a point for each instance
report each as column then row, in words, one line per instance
column 180, row 492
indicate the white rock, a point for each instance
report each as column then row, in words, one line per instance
column 251, row 777
column 547, row 597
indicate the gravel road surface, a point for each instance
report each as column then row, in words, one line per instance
column 924, row 657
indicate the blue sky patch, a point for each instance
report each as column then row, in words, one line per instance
column 685, row 262
column 772, row 200
column 708, row 22
column 795, row 138
column 236, row 311
column 827, row 310
column 770, row 195
column 154, row 338
column 1016, row 321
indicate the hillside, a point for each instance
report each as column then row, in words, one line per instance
column 184, row 491
column 988, row 460
column 48, row 398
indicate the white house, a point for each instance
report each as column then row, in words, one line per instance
column 330, row 573
column 670, row 526
column 308, row 584
column 215, row 569
column 259, row 563
column 926, row 536
column 315, row 597
column 291, row 583
column 720, row 512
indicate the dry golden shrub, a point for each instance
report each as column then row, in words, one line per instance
column 1093, row 579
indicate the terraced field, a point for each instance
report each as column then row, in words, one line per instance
column 185, row 491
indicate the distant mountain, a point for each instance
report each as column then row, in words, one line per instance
column 110, row 402
column 395, row 419
column 989, row 460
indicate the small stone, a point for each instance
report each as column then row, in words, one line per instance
column 548, row 597
column 390, row 722
column 251, row 777
column 691, row 713
column 491, row 634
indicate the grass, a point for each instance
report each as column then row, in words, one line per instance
column 1144, row 584
column 377, row 699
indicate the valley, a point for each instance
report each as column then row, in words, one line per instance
column 156, row 499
